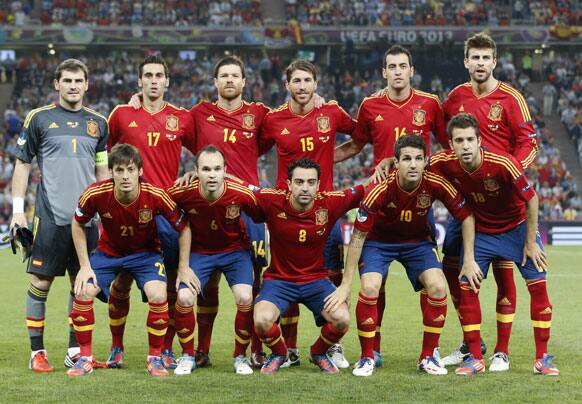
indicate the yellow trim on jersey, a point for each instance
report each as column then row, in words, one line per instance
column 34, row 112
column 115, row 109
column 471, row 327
column 433, row 330
column 530, row 158
column 373, row 195
column 281, row 107
column 437, row 179
column 117, row 321
column 505, row 318
column 95, row 113
column 243, row 190
column 272, row 191
column 520, row 100
column 101, row 158
column 504, row 161
column 541, row 324
column 107, row 187
column 427, row 95
column 160, row 193
column 442, row 157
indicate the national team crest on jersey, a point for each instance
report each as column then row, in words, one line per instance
column 172, row 123
column 491, row 184
column 495, row 112
column 92, row 128
column 419, row 117
column 323, row 124
column 248, row 121
column 145, row 215
column 423, row 201
column 321, row 216
column 232, row 211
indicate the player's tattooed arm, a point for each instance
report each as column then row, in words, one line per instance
column 342, row 293
column 470, row 269
column 531, row 249
column 85, row 273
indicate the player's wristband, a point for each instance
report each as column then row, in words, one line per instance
column 17, row 205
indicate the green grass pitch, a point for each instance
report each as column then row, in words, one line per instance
column 397, row 381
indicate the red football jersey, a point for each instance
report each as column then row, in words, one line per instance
column 310, row 136
column 217, row 226
column 297, row 239
column 392, row 215
column 235, row 133
column 128, row 229
column 497, row 191
column 503, row 116
column 159, row 137
column 382, row 121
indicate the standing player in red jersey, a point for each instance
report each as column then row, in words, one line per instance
column 300, row 221
column 383, row 119
column 127, row 207
column 219, row 243
column 158, row 130
column 395, row 214
column 302, row 131
column 506, row 126
column 234, row 125
column 506, row 216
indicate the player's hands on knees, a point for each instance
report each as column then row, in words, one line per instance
column 135, row 101
column 473, row 273
column 537, row 255
column 333, row 301
column 186, row 179
column 318, row 101
column 382, row 170
column 187, row 276
column 18, row 219
column 84, row 275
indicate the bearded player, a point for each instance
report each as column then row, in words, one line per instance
column 506, row 126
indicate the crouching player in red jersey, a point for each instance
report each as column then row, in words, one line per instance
column 220, row 243
column 300, row 221
column 395, row 214
column 506, row 216
column 129, row 242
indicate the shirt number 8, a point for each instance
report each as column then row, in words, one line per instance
column 302, row 235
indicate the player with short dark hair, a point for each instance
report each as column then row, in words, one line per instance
column 393, row 221
column 506, row 214
column 214, row 206
column 127, row 207
column 300, row 221
column 506, row 126
column 302, row 131
column 69, row 142
column 159, row 130
column 382, row 119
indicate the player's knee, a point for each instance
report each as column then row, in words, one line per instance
column 244, row 297
column 370, row 289
column 437, row 289
column 263, row 320
column 41, row 282
column 186, row 298
column 341, row 318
